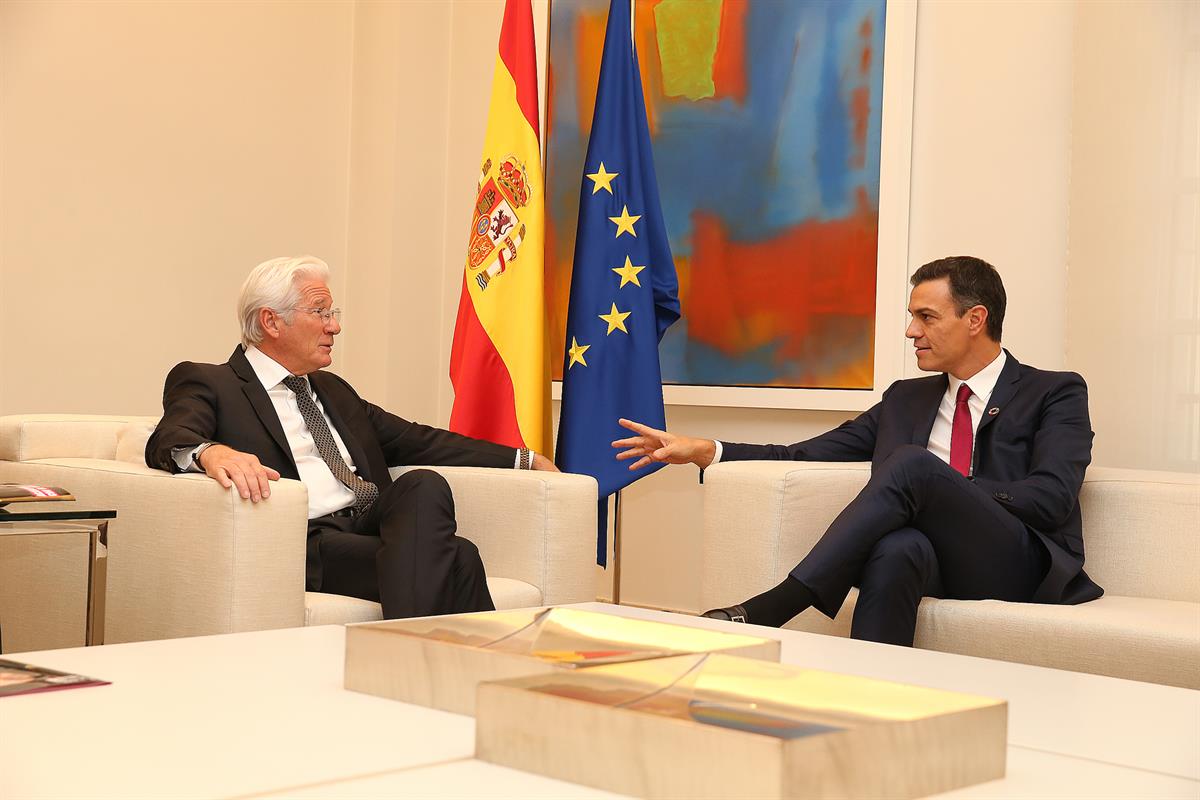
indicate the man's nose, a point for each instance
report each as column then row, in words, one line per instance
column 913, row 331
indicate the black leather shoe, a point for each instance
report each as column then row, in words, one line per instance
column 731, row 614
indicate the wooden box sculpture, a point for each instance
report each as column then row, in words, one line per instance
column 438, row 661
column 719, row 726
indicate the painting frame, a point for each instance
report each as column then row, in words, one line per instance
column 891, row 290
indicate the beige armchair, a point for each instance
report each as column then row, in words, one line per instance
column 188, row 558
column 1140, row 529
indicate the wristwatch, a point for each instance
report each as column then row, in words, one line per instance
column 196, row 454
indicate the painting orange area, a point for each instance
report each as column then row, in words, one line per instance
column 865, row 31
column 743, row 296
column 860, row 98
column 589, row 45
column 558, row 294
column 645, row 38
column 729, row 73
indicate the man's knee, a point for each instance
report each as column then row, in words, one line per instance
column 903, row 552
column 909, row 462
column 418, row 484
column 467, row 550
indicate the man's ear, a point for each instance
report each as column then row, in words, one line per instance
column 977, row 320
column 268, row 320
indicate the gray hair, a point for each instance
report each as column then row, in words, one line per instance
column 275, row 284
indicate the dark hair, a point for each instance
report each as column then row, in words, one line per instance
column 973, row 282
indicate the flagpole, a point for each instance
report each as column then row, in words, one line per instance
column 616, row 588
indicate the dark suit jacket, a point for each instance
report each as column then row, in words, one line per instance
column 226, row 403
column 1030, row 456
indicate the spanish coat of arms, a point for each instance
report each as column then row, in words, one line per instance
column 497, row 230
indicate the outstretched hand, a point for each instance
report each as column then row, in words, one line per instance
column 652, row 446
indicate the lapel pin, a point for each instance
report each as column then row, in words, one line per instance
column 993, row 411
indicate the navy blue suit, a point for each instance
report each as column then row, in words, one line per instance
column 1013, row 531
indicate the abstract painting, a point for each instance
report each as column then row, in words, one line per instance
column 765, row 117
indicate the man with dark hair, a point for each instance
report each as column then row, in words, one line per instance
column 975, row 475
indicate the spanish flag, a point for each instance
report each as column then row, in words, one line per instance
column 499, row 362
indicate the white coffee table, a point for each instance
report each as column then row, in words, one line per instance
column 264, row 714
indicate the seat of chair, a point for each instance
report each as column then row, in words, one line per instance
column 336, row 609
column 1137, row 638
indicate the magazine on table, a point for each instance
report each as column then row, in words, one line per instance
column 19, row 678
column 30, row 493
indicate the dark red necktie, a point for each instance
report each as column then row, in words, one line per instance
column 960, row 432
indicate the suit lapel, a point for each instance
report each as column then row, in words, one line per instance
column 338, row 415
column 1006, row 387
column 928, row 401
column 259, row 401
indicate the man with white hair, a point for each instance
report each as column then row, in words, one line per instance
column 272, row 411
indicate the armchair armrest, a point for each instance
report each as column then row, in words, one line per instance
column 762, row 517
column 185, row 556
column 537, row 527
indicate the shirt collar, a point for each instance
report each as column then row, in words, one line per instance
column 983, row 382
column 269, row 371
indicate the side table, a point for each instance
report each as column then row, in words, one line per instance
column 32, row 542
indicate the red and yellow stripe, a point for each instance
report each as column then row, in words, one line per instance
column 499, row 362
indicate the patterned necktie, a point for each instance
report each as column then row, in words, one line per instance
column 961, row 435
column 365, row 492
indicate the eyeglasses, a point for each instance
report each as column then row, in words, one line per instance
column 325, row 314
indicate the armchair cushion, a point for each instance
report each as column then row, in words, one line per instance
column 131, row 441
column 334, row 609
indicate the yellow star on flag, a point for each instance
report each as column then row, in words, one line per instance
column 576, row 352
column 615, row 319
column 602, row 180
column 625, row 222
column 628, row 273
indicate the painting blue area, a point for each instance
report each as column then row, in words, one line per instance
column 785, row 151
column 833, row 137
column 708, row 365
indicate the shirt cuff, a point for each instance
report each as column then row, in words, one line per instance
column 183, row 457
column 717, row 457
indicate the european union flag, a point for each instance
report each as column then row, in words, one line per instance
column 624, row 293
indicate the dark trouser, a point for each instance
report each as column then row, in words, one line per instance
column 403, row 553
column 919, row 528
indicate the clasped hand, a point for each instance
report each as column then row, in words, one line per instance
column 230, row 467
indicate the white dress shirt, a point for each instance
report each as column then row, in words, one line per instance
column 326, row 493
column 982, row 383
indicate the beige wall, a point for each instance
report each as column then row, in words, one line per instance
column 151, row 153
column 1133, row 305
column 398, row 187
